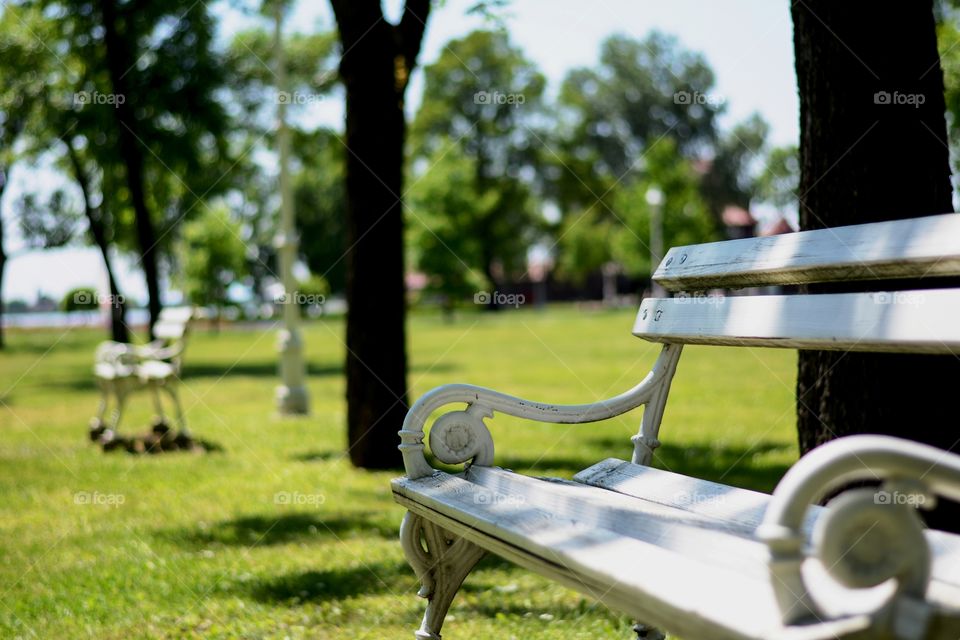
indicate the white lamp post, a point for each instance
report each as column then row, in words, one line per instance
column 292, row 393
column 655, row 200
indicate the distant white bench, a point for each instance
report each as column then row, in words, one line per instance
column 697, row 558
column 121, row 368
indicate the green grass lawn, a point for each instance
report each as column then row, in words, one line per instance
column 200, row 546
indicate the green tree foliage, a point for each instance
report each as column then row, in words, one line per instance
column 948, row 42
column 482, row 105
column 641, row 91
column 780, row 179
column 317, row 156
column 320, row 205
column 649, row 109
column 133, row 88
column 621, row 234
column 22, row 58
column 445, row 211
column 732, row 174
column 80, row 299
column 211, row 256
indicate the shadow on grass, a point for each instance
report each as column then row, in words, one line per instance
column 266, row 530
column 319, row 586
column 256, row 369
column 268, row 369
column 318, row 456
column 738, row 466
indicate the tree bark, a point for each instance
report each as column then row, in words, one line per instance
column 120, row 60
column 14, row 126
column 119, row 331
column 3, row 256
column 377, row 61
column 873, row 146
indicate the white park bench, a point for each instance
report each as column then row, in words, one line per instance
column 701, row 559
column 121, row 368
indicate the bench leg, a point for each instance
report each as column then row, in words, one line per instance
column 157, row 404
column 441, row 561
column 177, row 408
column 97, row 424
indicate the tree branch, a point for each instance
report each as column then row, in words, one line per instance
column 410, row 31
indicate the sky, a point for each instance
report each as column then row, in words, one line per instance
column 747, row 42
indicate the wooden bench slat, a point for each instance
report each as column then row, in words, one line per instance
column 169, row 330
column 181, row 315
column 701, row 497
column 928, row 246
column 905, row 321
column 743, row 507
column 626, row 573
column 720, row 542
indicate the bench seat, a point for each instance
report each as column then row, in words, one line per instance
column 631, row 536
column 697, row 558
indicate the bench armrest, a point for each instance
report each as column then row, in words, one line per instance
column 868, row 536
column 462, row 436
column 158, row 350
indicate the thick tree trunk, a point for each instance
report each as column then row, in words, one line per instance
column 375, row 68
column 873, row 147
column 118, row 323
column 3, row 257
column 120, row 60
column 3, row 265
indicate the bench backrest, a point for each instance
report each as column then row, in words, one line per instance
column 170, row 333
column 172, row 323
column 908, row 321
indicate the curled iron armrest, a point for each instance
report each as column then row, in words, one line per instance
column 462, row 436
column 866, row 537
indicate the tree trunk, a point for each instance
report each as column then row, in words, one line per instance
column 873, row 147
column 120, row 60
column 3, row 256
column 375, row 68
column 119, row 331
